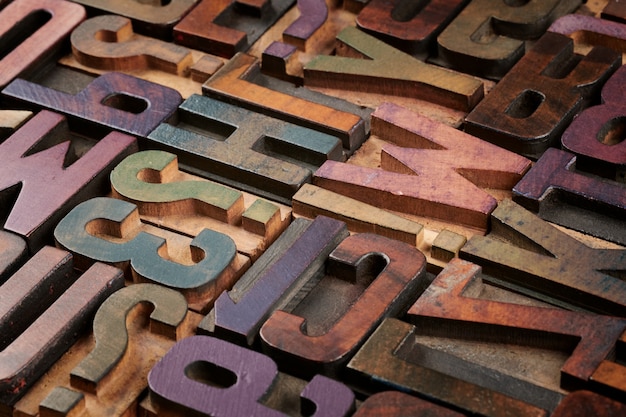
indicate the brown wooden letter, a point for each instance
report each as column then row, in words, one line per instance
column 397, row 404
column 285, row 336
column 532, row 105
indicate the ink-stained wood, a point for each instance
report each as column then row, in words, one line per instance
column 151, row 18
column 313, row 15
column 108, row 42
column 608, row 378
column 558, row 193
column 41, row 178
column 53, row 332
column 530, row 255
column 109, row 230
column 311, row 201
column 238, row 381
column 221, row 28
column 487, row 37
column 289, row 265
column 364, row 63
column 396, row 403
column 244, row 149
column 112, row 101
column 167, row 197
column 587, row 403
column 531, row 106
column 411, row 27
column 615, row 11
column 596, row 134
column 231, row 83
column 591, row 30
column 397, row 274
column 379, row 367
column 447, row 245
column 33, row 31
column 428, row 153
column 13, row 253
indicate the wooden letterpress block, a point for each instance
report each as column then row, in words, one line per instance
column 530, row 255
column 234, row 82
column 364, row 63
column 293, row 262
column 487, row 37
column 395, row 403
column 587, row 403
column 244, row 383
column 592, row 205
column 382, row 363
column 41, row 176
column 109, row 230
column 447, row 245
column 411, row 27
column 224, row 27
column 31, row 32
column 11, row 120
column 187, row 204
column 244, row 149
column 155, row 19
column 537, row 99
column 591, row 31
column 435, row 171
column 614, row 10
column 313, row 16
column 112, row 101
column 46, row 316
column 109, row 43
column 370, row 277
column 13, row 253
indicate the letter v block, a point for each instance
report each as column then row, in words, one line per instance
column 436, row 170
column 243, row 149
column 36, row 176
column 532, row 256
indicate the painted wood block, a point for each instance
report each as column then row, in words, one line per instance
column 590, row 338
column 591, row 30
column 108, row 42
column 109, row 230
column 532, row 256
column 423, row 153
column 396, row 403
column 313, row 15
column 63, row 402
column 13, row 253
column 45, row 340
column 311, row 201
column 380, row 364
column 364, row 63
column 531, row 106
column 40, row 180
column 224, row 27
column 234, row 83
column 390, row 273
column 244, row 149
column 112, row 101
column 33, row 31
column 239, row 378
column 167, row 197
column 154, row 19
column 447, row 245
column 411, row 27
column 596, row 134
column 587, row 403
column 487, row 37
column 292, row 263
column 615, row 11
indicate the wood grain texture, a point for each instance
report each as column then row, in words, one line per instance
column 187, row 204
column 412, row 28
column 109, row 43
column 42, row 184
column 13, row 253
column 109, row 230
column 281, row 272
column 245, row 149
column 396, row 403
column 32, row 32
column 238, row 380
column 587, row 403
column 233, row 83
column 154, row 19
column 591, row 30
column 487, row 37
column 112, row 101
column 221, row 28
column 47, row 338
column 313, row 15
column 531, row 106
column 558, row 193
column 534, row 256
column 595, row 135
column 378, row 365
column 364, row 63
column 285, row 336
